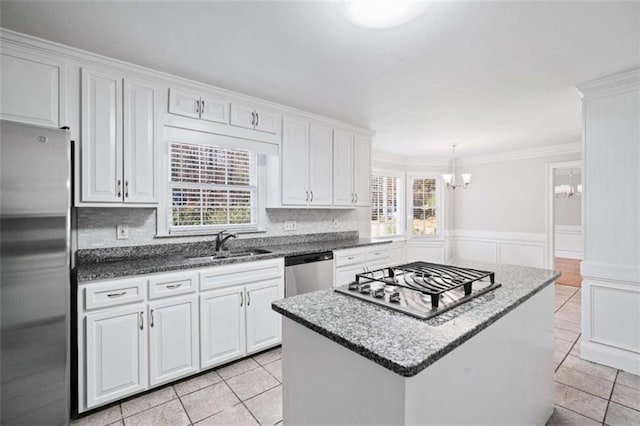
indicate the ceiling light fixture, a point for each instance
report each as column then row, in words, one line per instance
column 381, row 13
column 568, row 190
column 450, row 178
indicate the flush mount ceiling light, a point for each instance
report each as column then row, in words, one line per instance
column 450, row 178
column 381, row 13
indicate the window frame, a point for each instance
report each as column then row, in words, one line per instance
column 402, row 193
column 439, row 235
column 164, row 211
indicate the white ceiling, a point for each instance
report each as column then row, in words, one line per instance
column 490, row 76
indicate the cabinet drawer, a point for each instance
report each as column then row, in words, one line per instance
column 347, row 275
column 375, row 254
column 241, row 273
column 351, row 257
column 172, row 284
column 114, row 293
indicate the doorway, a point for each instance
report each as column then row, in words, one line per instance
column 564, row 233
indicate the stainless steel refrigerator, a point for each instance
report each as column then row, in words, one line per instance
column 35, row 225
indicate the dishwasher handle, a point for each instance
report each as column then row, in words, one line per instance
column 308, row 258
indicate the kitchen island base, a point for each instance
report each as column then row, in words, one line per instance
column 502, row 375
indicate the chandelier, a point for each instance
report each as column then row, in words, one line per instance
column 568, row 190
column 450, row 178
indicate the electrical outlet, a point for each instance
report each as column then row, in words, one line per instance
column 122, row 232
column 336, row 224
column 289, row 225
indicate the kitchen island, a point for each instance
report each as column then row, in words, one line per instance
column 490, row 361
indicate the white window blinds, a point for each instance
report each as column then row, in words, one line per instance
column 211, row 187
column 386, row 214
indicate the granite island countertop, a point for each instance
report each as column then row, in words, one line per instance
column 172, row 261
column 404, row 344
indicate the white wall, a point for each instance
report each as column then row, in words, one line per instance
column 611, row 266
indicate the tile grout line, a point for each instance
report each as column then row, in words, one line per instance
column 606, row 411
column 150, row 408
column 183, row 407
column 240, row 399
column 574, row 411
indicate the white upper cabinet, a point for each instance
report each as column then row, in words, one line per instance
column 250, row 117
column 120, row 133
column 352, row 169
column 306, row 163
column 173, row 339
column 141, row 134
column 295, row 162
column 362, row 170
column 343, row 194
column 263, row 323
column 203, row 106
column 102, row 179
column 33, row 89
column 320, row 164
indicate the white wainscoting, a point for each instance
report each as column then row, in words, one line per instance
column 514, row 248
column 568, row 241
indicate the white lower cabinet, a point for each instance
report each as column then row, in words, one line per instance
column 223, row 326
column 173, row 339
column 140, row 332
column 116, row 354
column 349, row 262
column 263, row 324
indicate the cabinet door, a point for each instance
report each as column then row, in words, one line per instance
column 222, row 324
column 184, row 103
column 242, row 116
column 141, row 113
column 173, row 339
column 266, row 121
column 116, row 354
column 343, row 194
column 295, row 162
column 31, row 90
column 101, row 142
column 214, row 109
column 264, row 327
column 362, row 170
column 320, row 164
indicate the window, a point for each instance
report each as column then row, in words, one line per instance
column 210, row 188
column 424, row 207
column 386, row 205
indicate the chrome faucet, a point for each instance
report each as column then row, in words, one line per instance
column 221, row 239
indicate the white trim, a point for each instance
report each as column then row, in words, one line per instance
column 496, row 235
column 608, row 355
column 627, row 274
column 610, row 85
column 42, row 46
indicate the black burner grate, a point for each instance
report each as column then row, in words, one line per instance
column 429, row 278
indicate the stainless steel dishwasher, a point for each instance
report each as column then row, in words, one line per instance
column 309, row 272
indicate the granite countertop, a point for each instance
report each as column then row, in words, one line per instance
column 404, row 344
column 171, row 261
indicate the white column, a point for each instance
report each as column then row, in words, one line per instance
column 611, row 206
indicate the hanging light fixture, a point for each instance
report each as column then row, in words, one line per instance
column 450, row 178
column 568, row 190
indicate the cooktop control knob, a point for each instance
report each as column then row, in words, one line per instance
column 354, row 286
column 394, row 297
column 365, row 288
column 378, row 293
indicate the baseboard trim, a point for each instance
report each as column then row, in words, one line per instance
column 613, row 357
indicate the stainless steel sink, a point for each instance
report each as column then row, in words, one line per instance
column 230, row 254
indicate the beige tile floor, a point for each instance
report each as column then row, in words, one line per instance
column 249, row 392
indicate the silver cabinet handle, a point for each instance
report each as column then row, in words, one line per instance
column 352, row 197
column 356, row 198
column 119, row 182
column 257, row 119
column 311, row 200
column 248, row 298
column 306, row 200
column 202, row 107
column 113, row 295
column 241, row 299
column 350, row 258
column 172, row 286
column 151, row 321
column 253, row 118
column 141, row 320
column 126, row 189
column 196, row 106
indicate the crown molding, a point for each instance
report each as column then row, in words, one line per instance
column 14, row 39
column 541, row 151
column 610, row 85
